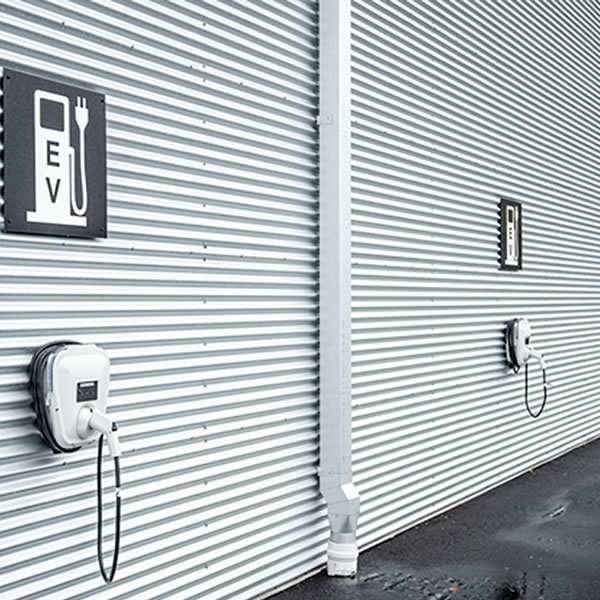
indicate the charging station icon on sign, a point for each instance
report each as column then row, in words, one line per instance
column 55, row 188
column 55, row 157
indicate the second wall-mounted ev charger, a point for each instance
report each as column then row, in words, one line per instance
column 519, row 352
column 69, row 386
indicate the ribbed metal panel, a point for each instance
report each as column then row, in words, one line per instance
column 204, row 296
column 456, row 104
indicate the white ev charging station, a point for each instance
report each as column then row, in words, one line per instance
column 69, row 386
column 518, row 354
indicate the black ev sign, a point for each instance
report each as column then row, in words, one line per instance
column 54, row 158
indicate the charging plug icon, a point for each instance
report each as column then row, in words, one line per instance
column 81, row 119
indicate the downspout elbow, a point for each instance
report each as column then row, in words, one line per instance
column 343, row 508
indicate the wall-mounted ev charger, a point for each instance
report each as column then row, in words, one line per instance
column 69, row 386
column 519, row 352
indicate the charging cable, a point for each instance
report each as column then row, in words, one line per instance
column 535, row 354
column 38, row 387
column 115, row 558
column 90, row 418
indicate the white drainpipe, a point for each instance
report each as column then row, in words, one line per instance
column 343, row 503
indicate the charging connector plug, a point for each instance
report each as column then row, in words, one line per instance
column 532, row 353
column 91, row 419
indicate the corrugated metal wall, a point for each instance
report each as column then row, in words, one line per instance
column 455, row 104
column 204, row 295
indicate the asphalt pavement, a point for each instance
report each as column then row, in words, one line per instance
column 536, row 537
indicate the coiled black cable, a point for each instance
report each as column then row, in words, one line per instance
column 536, row 415
column 37, row 368
column 113, row 569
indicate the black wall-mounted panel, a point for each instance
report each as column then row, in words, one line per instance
column 54, row 140
column 511, row 239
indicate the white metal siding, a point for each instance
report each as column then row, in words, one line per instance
column 455, row 104
column 204, row 296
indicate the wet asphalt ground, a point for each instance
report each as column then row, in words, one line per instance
column 536, row 537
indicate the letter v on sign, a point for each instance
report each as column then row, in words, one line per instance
column 53, row 193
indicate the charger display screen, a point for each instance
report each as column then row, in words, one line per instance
column 87, row 391
column 52, row 115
